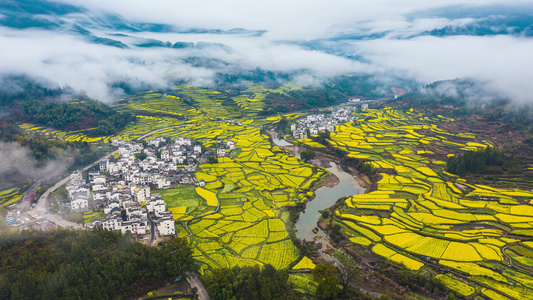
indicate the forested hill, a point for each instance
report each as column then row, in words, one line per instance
column 97, row 264
column 462, row 97
column 99, row 117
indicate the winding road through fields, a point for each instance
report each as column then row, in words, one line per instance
column 40, row 207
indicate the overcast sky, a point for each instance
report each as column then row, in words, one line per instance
column 503, row 61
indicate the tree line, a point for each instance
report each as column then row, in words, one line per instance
column 64, row 264
column 75, row 115
column 487, row 161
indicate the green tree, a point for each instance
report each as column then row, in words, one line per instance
column 283, row 125
column 307, row 155
column 325, row 275
column 249, row 283
column 141, row 156
column 212, row 159
column 178, row 252
column 323, row 137
column 65, row 264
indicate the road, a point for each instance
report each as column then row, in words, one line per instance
column 152, row 231
column 511, row 263
column 195, row 282
column 26, row 198
column 40, row 207
column 157, row 130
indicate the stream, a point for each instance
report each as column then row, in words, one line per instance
column 325, row 198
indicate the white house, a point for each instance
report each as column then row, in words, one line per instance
column 104, row 164
column 178, row 159
column 140, row 193
column 75, row 191
column 76, row 176
column 154, row 142
column 165, row 224
column 183, row 141
column 99, row 188
column 101, row 195
column 136, row 226
column 133, row 210
column 221, row 152
column 98, row 179
column 165, row 155
column 157, row 206
column 112, row 223
column 197, row 149
column 162, row 182
column 230, row 144
column 79, row 203
column 110, row 205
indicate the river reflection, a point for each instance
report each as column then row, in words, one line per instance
column 325, row 198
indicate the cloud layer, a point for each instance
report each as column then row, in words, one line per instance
column 385, row 36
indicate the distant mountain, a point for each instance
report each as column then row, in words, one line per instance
column 97, row 28
column 516, row 25
column 34, row 13
column 115, row 31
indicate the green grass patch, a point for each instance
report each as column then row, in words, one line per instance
column 182, row 196
column 90, row 215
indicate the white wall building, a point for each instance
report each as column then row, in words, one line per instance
column 141, row 194
column 104, row 164
column 197, row 149
column 79, row 203
column 230, row 144
column 165, row 224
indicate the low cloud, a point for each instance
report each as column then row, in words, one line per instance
column 380, row 38
column 16, row 160
column 70, row 61
column 500, row 61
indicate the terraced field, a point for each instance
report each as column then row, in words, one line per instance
column 420, row 216
column 251, row 187
column 184, row 104
column 10, row 196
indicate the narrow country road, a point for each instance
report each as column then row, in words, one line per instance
column 511, row 263
column 152, row 231
column 40, row 207
column 157, row 130
column 195, row 282
column 26, row 197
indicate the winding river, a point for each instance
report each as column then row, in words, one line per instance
column 325, row 198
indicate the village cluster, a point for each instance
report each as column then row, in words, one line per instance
column 122, row 185
column 313, row 124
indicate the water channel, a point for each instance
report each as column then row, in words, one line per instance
column 325, row 198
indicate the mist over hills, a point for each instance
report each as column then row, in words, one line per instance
column 101, row 48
